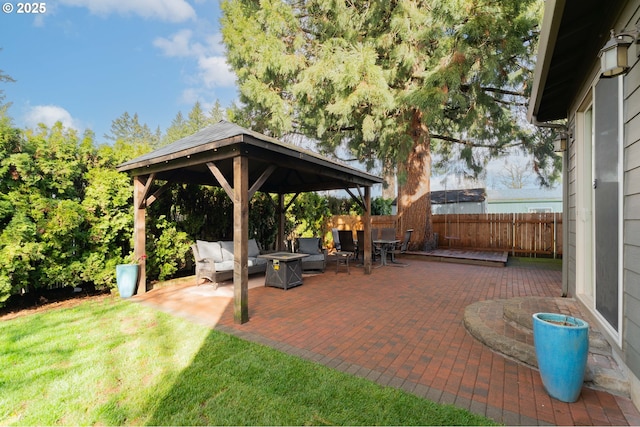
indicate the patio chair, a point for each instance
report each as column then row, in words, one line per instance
column 317, row 259
column 375, row 233
column 388, row 233
column 336, row 239
column 402, row 246
column 346, row 241
column 205, row 267
column 360, row 244
column 376, row 250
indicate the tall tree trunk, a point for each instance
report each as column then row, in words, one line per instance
column 389, row 188
column 414, row 196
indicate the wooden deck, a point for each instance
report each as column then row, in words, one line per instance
column 496, row 259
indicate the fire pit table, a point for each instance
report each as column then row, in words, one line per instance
column 284, row 269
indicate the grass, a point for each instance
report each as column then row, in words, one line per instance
column 114, row 362
column 542, row 262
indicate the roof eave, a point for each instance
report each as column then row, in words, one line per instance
column 548, row 36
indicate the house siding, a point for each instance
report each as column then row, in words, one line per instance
column 632, row 326
column 630, row 351
column 571, row 213
column 626, row 345
column 631, row 202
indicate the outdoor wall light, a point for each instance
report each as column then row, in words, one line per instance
column 613, row 55
column 560, row 143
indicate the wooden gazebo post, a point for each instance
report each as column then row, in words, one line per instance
column 281, row 220
column 240, row 239
column 367, row 230
column 139, row 231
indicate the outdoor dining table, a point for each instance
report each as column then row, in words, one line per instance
column 385, row 246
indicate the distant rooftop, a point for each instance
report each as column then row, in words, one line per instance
column 469, row 195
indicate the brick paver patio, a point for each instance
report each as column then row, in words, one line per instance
column 403, row 327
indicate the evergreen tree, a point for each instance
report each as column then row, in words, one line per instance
column 179, row 129
column 127, row 128
column 216, row 113
column 393, row 80
column 197, row 119
column 42, row 240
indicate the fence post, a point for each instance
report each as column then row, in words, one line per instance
column 555, row 237
column 513, row 234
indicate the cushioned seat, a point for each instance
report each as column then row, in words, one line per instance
column 317, row 259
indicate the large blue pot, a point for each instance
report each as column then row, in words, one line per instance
column 562, row 347
column 127, row 279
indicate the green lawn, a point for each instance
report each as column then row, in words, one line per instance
column 114, row 362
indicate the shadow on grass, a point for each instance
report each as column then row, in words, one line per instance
column 536, row 263
column 235, row 382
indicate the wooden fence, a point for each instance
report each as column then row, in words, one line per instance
column 521, row 234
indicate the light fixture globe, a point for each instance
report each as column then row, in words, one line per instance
column 613, row 56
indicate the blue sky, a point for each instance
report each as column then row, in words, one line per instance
column 86, row 62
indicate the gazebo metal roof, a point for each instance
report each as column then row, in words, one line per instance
column 294, row 169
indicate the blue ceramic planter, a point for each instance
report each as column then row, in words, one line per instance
column 127, row 279
column 562, row 347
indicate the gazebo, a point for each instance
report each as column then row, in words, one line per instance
column 242, row 162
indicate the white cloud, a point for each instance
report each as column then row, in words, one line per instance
column 49, row 115
column 215, row 44
column 206, row 97
column 213, row 70
column 179, row 45
column 164, row 10
column 190, row 96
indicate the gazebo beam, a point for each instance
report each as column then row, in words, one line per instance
column 221, row 179
column 261, row 180
column 156, row 194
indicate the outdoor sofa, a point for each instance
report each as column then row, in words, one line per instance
column 214, row 260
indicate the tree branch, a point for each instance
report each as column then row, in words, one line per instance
column 501, row 101
column 501, row 91
column 472, row 144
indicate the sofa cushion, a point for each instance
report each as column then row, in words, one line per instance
column 210, row 250
column 224, row 266
column 226, row 248
column 256, row 261
column 308, row 245
column 253, row 250
column 313, row 258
